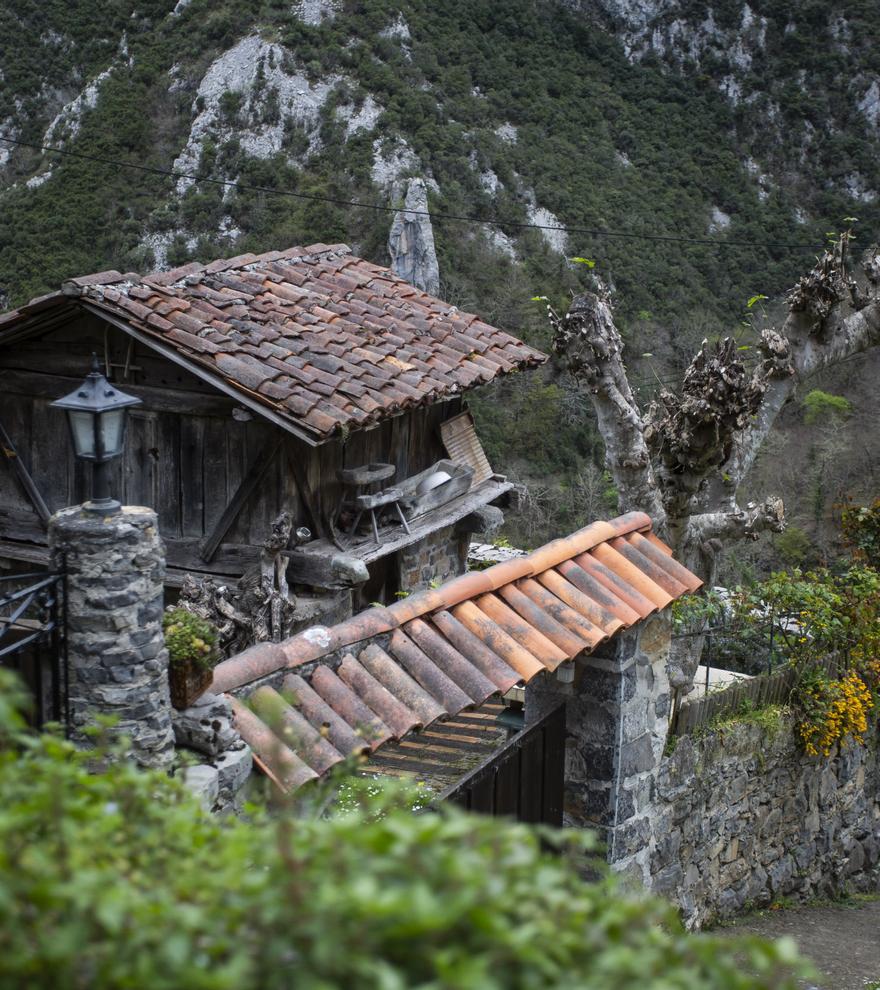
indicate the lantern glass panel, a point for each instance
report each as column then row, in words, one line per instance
column 82, row 430
column 111, row 427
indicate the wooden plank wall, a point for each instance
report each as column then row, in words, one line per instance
column 524, row 779
column 186, row 454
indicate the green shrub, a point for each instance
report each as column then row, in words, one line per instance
column 861, row 532
column 118, row 880
column 793, row 545
column 824, row 408
column 189, row 637
column 805, row 619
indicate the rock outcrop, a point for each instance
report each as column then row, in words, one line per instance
column 411, row 241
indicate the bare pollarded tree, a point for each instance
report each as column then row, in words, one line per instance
column 684, row 459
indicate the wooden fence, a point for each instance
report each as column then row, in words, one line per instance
column 756, row 692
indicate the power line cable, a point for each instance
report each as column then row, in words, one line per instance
column 663, row 380
column 434, row 216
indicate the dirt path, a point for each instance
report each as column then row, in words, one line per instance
column 842, row 940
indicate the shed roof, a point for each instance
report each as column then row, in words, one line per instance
column 317, row 338
column 389, row 671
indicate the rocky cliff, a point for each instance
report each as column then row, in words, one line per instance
column 698, row 154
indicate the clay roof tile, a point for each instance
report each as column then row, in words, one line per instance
column 357, row 312
column 387, row 671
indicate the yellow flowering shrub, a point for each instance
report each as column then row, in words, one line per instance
column 826, row 625
column 832, row 712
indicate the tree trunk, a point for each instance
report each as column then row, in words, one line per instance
column 684, row 460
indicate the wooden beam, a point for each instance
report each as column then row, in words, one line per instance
column 26, row 553
column 37, row 324
column 254, row 475
column 23, row 475
column 183, row 558
column 35, row 384
column 194, row 368
column 305, row 493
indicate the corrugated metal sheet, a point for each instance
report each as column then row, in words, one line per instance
column 462, row 444
column 390, row 671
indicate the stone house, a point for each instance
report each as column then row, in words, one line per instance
column 268, row 382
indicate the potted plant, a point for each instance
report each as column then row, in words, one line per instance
column 192, row 652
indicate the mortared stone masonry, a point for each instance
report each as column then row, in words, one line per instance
column 118, row 664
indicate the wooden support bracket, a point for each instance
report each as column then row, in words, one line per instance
column 255, row 474
column 23, row 475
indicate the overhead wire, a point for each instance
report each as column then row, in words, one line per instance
column 430, row 214
column 668, row 380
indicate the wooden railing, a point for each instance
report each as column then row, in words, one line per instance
column 33, row 637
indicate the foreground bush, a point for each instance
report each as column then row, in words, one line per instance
column 116, row 879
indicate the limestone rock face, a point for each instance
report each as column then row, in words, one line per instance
column 411, row 241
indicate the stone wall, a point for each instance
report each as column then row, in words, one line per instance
column 732, row 819
column 741, row 818
column 433, row 560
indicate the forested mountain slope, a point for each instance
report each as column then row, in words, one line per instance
column 743, row 131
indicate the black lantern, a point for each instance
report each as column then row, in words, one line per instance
column 96, row 412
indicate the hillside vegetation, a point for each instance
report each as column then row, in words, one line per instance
column 755, row 124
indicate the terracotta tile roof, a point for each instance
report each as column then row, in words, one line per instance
column 438, row 757
column 388, row 671
column 322, row 339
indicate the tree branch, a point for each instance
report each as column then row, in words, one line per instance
column 831, row 318
column 737, row 523
column 692, row 432
column 589, row 341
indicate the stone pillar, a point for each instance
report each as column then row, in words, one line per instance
column 617, row 716
column 116, row 650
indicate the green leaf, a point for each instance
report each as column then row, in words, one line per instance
column 754, row 299
column 539, row 299
column 583, row 261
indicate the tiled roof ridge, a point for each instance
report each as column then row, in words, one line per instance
column 387, row 672
column 265, row 659
column 177, row 276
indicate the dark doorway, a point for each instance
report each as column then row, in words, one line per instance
column 522, row 780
